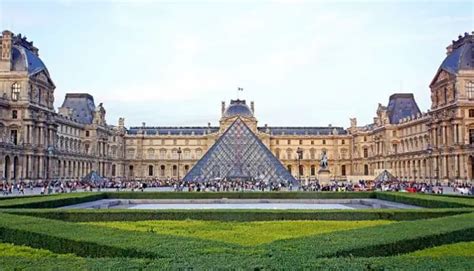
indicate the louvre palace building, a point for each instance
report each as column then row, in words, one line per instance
column 38, row 142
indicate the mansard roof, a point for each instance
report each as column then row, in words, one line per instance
column 402, row 105
column 173, row 130
column 302, row 130
column 82, row 105
column 460, row 55
column 25, row 56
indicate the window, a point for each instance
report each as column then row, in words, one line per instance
column 365, row 138
column 150, row 170
column 15, row 114
column 301, row 170
column 394, row 133
column 343, row 170
column 162, row 171
column 277, row 141
column 175, row 170
column 366, row 152
column 87, row 133
column 16, row 91
column 301, row 142
column 313, row 170
column 289, row 168
column 130, row 171
column 289, row 142
column 471, row 136
column 324, row 141
column 470, row 89
column 343, row 142
column 312, row 142
column 366, row 170
column 113, row 171
column 14, row 136
column 471, row 113
column 86, row 147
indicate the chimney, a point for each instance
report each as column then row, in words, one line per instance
column 121, row 123
column 222, row 108
column 252, row 107
column 6, row 57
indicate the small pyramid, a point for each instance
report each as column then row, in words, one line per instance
column 239, row 155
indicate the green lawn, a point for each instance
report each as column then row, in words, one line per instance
column 34, row 235
column 241, row 233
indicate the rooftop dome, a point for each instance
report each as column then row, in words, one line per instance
column 460, row 56
column 237, row 108
column 25, row 56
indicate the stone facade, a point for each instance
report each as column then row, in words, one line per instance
column 39, row 143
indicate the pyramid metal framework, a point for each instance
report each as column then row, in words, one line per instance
column 239, row 155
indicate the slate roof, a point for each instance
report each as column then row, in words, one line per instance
column 302, row 130
column 402, row 105
column 462, row 55
column 82, row 105
column 173, row 130
column 238, row 108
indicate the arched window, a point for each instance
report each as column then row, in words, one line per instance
column 16, row 91
column 162, row 170
column 313, row 170
column 150, row 170
column 130, row 171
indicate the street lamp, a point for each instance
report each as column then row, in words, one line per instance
column 50, row 150
column 299, row 151
column 179, row 159
column 429, row 150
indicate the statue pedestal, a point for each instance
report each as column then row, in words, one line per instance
column 324, row 176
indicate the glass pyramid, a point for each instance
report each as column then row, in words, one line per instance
column 239, row 155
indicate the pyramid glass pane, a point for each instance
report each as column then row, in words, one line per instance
column 239, row 155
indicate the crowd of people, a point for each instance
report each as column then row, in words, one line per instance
column 45, row 187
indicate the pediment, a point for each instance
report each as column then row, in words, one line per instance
column 43, row 76
column 440, row 76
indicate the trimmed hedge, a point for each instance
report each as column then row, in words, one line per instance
column 96, row 241
column 50, row 201
column 239, row 195
column 91, row 215
column 427, row 200
column 391, row 239
column 60, row 262
column 59, row 200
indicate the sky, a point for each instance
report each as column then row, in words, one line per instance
column 303, row 63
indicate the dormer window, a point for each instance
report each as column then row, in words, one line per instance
column 16, row 88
